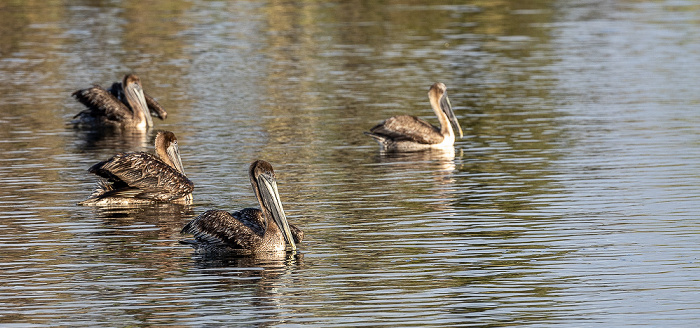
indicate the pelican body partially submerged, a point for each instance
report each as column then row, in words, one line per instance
column 249, row 230
column 143, row 178
column 410, row 133
column 124, row 105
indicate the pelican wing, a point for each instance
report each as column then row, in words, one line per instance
column 408, row 128
column 297, row 233
column 143, row 175
column 102, row 103
column 117, row 91
column 155, row 107
column 243, row 229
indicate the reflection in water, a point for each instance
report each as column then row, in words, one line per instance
column 572, row 200
column 271, row 264
column 166, row 217
column 255, row 284
column 441, row 163
column 438, row 164
column 111, row 140
column 445, row 156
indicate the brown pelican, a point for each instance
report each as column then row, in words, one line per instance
column 410, row 133
column 124, row 105
column 140, row 178
column 249, row 230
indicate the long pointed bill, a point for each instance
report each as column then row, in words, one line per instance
column 271, row 200
column 446, row 107
column 137, row 99
column 174, row 156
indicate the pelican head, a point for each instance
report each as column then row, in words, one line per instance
column 167, row 150
column 262, row 177
column 134, row 96
column 438, row 94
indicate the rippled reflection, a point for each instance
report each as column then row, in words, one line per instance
column 270, row 265
column 111, row 140
column 571, row 199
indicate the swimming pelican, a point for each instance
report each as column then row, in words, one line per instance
column 410, row 133
column 124, row 105
column 249, row 230
column 141, row 178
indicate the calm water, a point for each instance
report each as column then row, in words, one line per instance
column 572, row 200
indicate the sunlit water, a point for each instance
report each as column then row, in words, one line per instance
column 572, row 199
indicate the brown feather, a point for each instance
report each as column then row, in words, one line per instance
column 408, row 128
column 102, row 105
column 155, row 107
column 244, row 229
column 144, row 172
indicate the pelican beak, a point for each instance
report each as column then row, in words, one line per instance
column 135, row 93
column 174, row 154
column 446, row 107
column 271, row 199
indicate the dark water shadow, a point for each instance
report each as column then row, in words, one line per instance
column 265, row 282
column 167, row 217
column 438, row 155
column 267, row 260
column 111, row 140
column 440, row 162
column 261, row 265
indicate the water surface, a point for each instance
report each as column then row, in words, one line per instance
column 572, row 199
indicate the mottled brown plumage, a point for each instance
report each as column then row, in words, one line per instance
column 410, row 133
column 241, row 230
column 249, row 230
column 140, row 177
column 123, row 105
column 408, row 128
